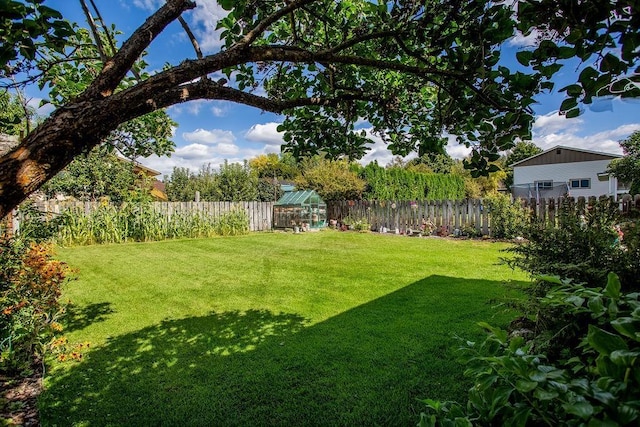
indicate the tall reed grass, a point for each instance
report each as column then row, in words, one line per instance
column 142, row 223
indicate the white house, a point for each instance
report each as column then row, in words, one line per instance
column 563, row 171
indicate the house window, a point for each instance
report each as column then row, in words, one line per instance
column 544, row 185
column 580, row 183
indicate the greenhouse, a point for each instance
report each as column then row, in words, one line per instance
column 304, row 209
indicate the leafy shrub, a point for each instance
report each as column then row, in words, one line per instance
column 331, row 179
column 508, row 219
column 30, row 287
column 469, row 230
column 36, row 226
column 515, row 386
column 357, row 224
column 582, row 247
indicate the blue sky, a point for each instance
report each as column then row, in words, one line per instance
column 211, row 131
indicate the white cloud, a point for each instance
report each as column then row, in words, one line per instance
column 213, row 136
column 195, row 107
column 150, row 5
column 551, row 130
column 266, row 134
column 520, row 40
column 194, row 156
column 554, row 122
column 204, row 19
column 227, row 149
column 456, row 150
column 378, row 150
column 44, row 111
column 193, row 151
column 219, row 109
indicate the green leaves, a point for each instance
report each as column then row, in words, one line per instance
column 613, row 286
column 25, row 28
column 524, row 57
column 601, row 33
column 582, row 409
column 515, row 387
column 604, row 342
column 227, row 4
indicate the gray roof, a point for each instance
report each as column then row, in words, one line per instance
column 580, row 155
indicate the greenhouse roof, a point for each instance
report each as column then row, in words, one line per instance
column 299, row 198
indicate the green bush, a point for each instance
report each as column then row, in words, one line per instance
column 512, row 385
column 30, row 288
column 36, row 226
column 582, row 247
column 357, row 224
column 508, row 218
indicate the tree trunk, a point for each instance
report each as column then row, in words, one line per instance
column 69, row 131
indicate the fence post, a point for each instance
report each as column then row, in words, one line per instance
column 485, row 218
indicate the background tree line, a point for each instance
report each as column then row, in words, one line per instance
column 429, row 177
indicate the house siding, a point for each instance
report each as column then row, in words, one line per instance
column 564, row 172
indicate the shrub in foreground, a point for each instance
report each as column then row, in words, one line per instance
column 582, row 247
column 513, row 385
column 30, row 288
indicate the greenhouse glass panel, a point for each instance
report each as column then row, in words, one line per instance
column 304, row 209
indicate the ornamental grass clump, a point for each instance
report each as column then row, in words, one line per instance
column 140, row 222
column 233, row 223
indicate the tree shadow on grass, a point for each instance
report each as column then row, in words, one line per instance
column 77, row 318
column 366, row 366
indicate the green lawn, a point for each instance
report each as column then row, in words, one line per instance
column 272, row 329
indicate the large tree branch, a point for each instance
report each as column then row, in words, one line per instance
column 192, row 69
column 292, row 54
column 117, row 67
column 81, row 125
column 208, row 89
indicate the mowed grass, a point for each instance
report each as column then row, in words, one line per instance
column 272, row 329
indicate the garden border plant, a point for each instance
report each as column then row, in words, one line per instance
column 30, row 308
column 518, row 387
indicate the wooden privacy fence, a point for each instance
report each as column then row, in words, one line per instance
column 260, row 214
column 446, row 215
column 547, row 210
column 443, row 216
